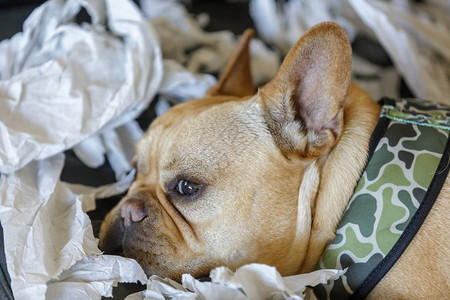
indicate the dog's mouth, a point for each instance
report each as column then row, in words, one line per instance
column 204, row 278
column 118, row 250
column 113, row 250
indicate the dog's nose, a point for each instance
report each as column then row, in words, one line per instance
column 133, row 210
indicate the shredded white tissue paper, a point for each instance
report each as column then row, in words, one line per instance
column 418, row 45
column 252, row 281
column 184, row 40
column 68, row 86
column 93, row 276
column 415, row 35
column 61, row 82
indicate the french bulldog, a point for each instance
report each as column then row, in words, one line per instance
column 237, row 177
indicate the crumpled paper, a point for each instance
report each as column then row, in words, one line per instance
column 60, row 82
column 46, row 232
column 184, row 40
column 252, row 281
column 418, row 43
column 93, row 276
column 415, row 35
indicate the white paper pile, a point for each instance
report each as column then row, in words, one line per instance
column 184, row 40
column 60, row 82
column 65, row 86
column 253, row 281
column 415, row 35
column 417, row 38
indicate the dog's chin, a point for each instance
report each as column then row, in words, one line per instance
column 112, row 250
column 167, row 265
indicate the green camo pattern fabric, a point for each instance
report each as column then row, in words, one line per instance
column 388, row 194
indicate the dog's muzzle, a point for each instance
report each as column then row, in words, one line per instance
column 131, row 211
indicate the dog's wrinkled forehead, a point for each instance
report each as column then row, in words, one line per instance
column 206, row 137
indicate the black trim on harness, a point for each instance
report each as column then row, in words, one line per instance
column 378, row 132
column 413, row 227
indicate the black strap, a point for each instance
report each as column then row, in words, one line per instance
column 378, row 131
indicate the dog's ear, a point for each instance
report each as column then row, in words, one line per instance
column 236, row 80
column 303, row 103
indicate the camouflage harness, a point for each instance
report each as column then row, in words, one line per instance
column 408, row 164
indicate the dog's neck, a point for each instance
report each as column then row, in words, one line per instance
column 338, row 173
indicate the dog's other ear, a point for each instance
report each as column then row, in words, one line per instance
column 236, row 80
column 303, row 103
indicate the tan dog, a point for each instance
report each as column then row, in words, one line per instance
column 236, row 178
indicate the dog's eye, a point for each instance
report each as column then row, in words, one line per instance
column 187, row 188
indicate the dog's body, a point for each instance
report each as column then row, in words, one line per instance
column 233, row 178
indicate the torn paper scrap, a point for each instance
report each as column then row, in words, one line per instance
column 253, row 281
column 94, row 277
column 282, row 24
column 183, row 40
column 377, row 81
column 415, row 35
column 260, row 281
column 48, row 236
column 419, row 50
column 88, row 195
column 45, row 228
column 116, row 144
column 60, row 82
column 91, row 151
column 182, row 85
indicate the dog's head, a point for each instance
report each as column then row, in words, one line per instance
column 218, row 178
